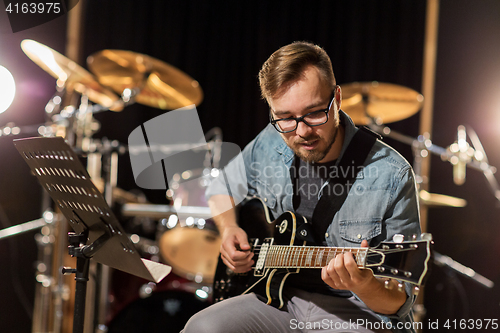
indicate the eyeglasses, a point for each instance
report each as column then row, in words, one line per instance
column 311, row 119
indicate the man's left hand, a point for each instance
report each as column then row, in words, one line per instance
column 343, row 272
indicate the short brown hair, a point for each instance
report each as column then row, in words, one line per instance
column 286, row 65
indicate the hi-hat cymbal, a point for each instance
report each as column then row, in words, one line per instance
column 433, row 199
column 71, row 75
column 160, row 85
column 384, row 103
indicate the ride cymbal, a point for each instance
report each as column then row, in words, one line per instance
column 71, row 75
column 366, row 102
column 156, row 83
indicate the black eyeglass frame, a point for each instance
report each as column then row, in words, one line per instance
column 274, row 122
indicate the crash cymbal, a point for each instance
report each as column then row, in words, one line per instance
column 159, row 84
column 432, row 199
column 382, row 102
column 70, row 75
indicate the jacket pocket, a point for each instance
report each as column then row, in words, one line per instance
column 356, row 230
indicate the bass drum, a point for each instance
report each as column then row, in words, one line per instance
column 141, row 306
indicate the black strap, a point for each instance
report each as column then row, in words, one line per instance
column 335, row 192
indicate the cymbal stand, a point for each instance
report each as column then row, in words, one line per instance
column 103, row 162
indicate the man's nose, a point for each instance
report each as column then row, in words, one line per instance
column 303, row 129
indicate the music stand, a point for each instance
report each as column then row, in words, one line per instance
column 98, row 234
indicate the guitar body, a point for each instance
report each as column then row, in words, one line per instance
column 256, row 220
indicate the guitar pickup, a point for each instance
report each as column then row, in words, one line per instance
column 262, row 252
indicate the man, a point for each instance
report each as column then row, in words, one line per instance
column 305, row 141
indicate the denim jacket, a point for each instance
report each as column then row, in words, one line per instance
column 382, row 201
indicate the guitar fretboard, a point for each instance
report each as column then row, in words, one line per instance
column 279, row 256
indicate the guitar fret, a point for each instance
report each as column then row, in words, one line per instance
column 275, row 255
column 270, row 256
column 319, row 257
column 309, row 257
column 282, row 254
column 293, row 256
column 296, row 256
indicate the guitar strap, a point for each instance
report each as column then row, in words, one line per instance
column 337, row 188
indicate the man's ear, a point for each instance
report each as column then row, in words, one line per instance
column 338, row 96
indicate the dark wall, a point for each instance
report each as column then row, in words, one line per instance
column 223, row 45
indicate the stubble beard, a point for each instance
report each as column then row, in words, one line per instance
column 314, row 155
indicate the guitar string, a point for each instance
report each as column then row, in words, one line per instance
column 369, row 252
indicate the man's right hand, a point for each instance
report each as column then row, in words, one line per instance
column 235, row 250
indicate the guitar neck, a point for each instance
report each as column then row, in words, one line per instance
column 282, row 256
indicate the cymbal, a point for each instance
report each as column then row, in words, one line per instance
column 160, row 85
column 384, row 102
column 432, row 199
column 68, row 73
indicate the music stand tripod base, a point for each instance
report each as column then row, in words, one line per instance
column 98, row 234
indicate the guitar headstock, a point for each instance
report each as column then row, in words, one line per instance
column 407, row 261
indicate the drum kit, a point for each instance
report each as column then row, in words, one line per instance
column 185, row 237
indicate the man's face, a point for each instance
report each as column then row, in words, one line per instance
column 311, row 144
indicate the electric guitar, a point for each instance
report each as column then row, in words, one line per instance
column 280, row 249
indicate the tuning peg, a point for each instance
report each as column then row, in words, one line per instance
column 427, row 236
column 414, row 237
column 400, row 287
column 398, row 238
column 415, row 290
column 387, row 284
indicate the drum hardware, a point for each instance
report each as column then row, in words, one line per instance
column 161, row 211
column 188, row 238
column 47, row 219
column 374, row 104
column 76, row 123
column 433, row 199
column 442, row 260
column 472, row 157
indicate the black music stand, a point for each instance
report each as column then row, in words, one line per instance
column 98, row 233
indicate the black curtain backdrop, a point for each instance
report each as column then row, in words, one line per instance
column 222, row 45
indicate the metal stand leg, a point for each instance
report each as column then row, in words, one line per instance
column 81, row 278
column 76, row 249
